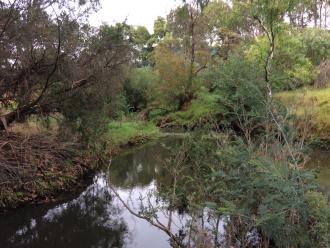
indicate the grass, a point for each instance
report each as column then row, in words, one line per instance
column 130, row 132
column 34, row 126
column 201, row 110
column 313, row 105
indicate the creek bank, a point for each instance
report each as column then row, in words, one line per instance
column 311, row 106
column 39, row 168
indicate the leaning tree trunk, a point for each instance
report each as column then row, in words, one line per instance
column 17, row 115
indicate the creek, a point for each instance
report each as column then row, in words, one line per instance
column 95, row 217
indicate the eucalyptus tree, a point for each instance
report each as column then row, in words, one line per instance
column 270, row 15
column 228, row 24
column 93, row 81
column 35, row 38
column 321, row 13
column 141, row 42
column 186, row 46
column 50, row 55
column 160, row 28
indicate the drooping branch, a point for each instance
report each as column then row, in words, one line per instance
column 31, row 108
column 58, row 52
column 6, row 24
column 155, row 223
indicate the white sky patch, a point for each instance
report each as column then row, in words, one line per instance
column 137, row 12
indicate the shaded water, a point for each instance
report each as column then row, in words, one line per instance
column 320, row 161
column 95, row 217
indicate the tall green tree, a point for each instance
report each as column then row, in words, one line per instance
column 141, row 41
column 51, row 60
column 270, row 15
column 186, row 44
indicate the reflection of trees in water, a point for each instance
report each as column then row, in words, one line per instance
column 161, row 202
column 139, row 168
column 95, row 219
column 201, row 228
column 91, row 220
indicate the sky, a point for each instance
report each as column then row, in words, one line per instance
column 137, row 12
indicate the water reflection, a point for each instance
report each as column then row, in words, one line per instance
column 90, row 220
column 95, row 218
column 319, row 161
column 140, row 167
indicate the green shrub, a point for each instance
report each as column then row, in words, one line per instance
column 139, row 87
column 201, row 110
column 257, row 192
column 241, row 92
column 122, row 133
column 319, row 212
column 317, row 44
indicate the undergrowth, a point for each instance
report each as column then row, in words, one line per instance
column 202, row 109
column 312, row 105
column 131, row 132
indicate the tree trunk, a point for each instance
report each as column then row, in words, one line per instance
column 17, row 115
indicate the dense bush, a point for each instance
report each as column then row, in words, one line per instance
column 241, row 93
column 177, row 85
column 256, row 192
column 202, row 110
column 317, row 44
column 139, row 87
column 270, row 196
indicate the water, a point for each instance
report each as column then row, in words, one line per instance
column 320, row 161
column 96, row 218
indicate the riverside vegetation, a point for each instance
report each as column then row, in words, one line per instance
column 249, row 80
